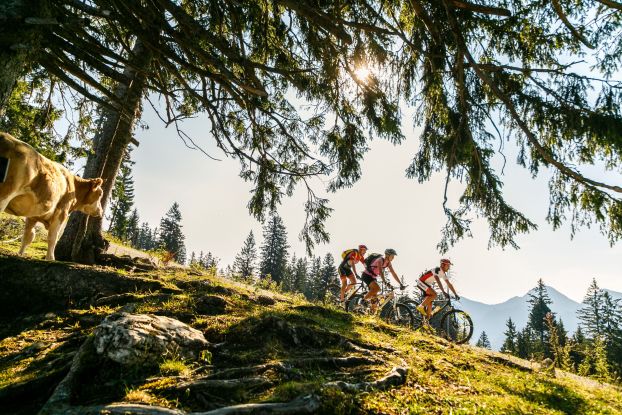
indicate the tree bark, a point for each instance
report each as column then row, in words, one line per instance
column 82, row 240
column 19, row 42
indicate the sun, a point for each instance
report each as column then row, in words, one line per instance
column 362, row 74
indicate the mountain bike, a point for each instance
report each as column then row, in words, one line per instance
column 452, row 324
column 388, row 308
column 333, row 291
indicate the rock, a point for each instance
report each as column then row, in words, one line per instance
column 141, row 338
column 265, row 300
column 210, row 305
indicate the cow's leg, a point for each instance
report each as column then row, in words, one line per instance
column 57, row 225
column 4, row 202
column 29, row 234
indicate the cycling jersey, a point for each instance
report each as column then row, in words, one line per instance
column 376, row 267
column 428, row 276
column 345, row 268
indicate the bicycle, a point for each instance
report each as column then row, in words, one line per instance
column 388, row 308
column 450, row 323
column 333, row 292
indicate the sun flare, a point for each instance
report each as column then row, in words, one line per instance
column 362, row 74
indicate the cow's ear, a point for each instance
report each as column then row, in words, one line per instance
column 95, row 183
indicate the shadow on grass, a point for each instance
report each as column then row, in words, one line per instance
column 554, row 396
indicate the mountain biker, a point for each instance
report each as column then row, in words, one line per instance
column 374, row 268
column 347, row 268
column 427, row 279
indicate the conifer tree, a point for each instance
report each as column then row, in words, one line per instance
column 274, row 249
column 524, row 343
column 244, row 264
column 579, row 346
column 171, row 236
column 301, row 276
column 328, row 274
column 509, row 345
column 612, row 331
column 483, row 341
column 557, row 345
column 133, row 229
column 314, row 283
column 591, row 313
column 122, row 200
column 287, row 283
column 539, row 301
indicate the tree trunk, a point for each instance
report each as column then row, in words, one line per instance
column 82, row 240
column 19, row 42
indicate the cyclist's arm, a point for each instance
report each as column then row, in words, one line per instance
column 438, row 281
column 395, row 277
column 451, row 287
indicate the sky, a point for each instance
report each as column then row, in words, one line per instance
column 213, row 200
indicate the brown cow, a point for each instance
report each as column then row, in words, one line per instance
column 43, row 191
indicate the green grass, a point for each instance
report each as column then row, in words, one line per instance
column 443, row 378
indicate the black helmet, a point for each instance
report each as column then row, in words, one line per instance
column 390, row 251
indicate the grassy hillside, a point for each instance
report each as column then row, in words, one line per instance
column 271, row 347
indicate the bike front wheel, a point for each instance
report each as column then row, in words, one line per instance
column 457, row 326
column 399, row 315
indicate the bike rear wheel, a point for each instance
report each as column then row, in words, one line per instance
column 400, row 315
column 457, row 326
column 356, row 305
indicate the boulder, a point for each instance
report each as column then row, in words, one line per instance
column 132, row 339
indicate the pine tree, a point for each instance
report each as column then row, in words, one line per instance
column 328, row 274
column 193, row 259
column 591, row 314
column 314, row 283
column 274, row 249
column 133, row 230
column 595, row 363
column 612, row 331
column 210, row 262
column 287, row 283
column 244, row 264
column 122, row 200
column 579, row 347
column 300, row 275
column 539, row 300
column 560, row 353
column 483, row 341
column 524, row 343
column 509, row 345
column 171, row 236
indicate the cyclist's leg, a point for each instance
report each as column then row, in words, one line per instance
column 343, row 271
column 429, row 298
column 351, row 282
column 374, row 289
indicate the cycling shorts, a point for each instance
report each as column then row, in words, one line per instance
column 367, row 279
column 345, row 270
column 425, row 287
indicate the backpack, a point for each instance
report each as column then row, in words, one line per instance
column 347, row 253
column 370, row 259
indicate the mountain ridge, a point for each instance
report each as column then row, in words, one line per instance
column 492, row 318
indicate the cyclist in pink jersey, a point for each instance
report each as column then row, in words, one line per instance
column 425, row 282
column 374, row 268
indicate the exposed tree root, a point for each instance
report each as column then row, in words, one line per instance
column 396, row 377
column 253, row 370
column 223, row 385
column 350, row 361
column 303, row 405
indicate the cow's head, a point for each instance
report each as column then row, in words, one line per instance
column 92, row 197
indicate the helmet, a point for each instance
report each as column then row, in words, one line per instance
column 390, row 251
column 362, row 247
column 446, row 261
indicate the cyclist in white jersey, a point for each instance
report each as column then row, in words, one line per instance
column 426, row 281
